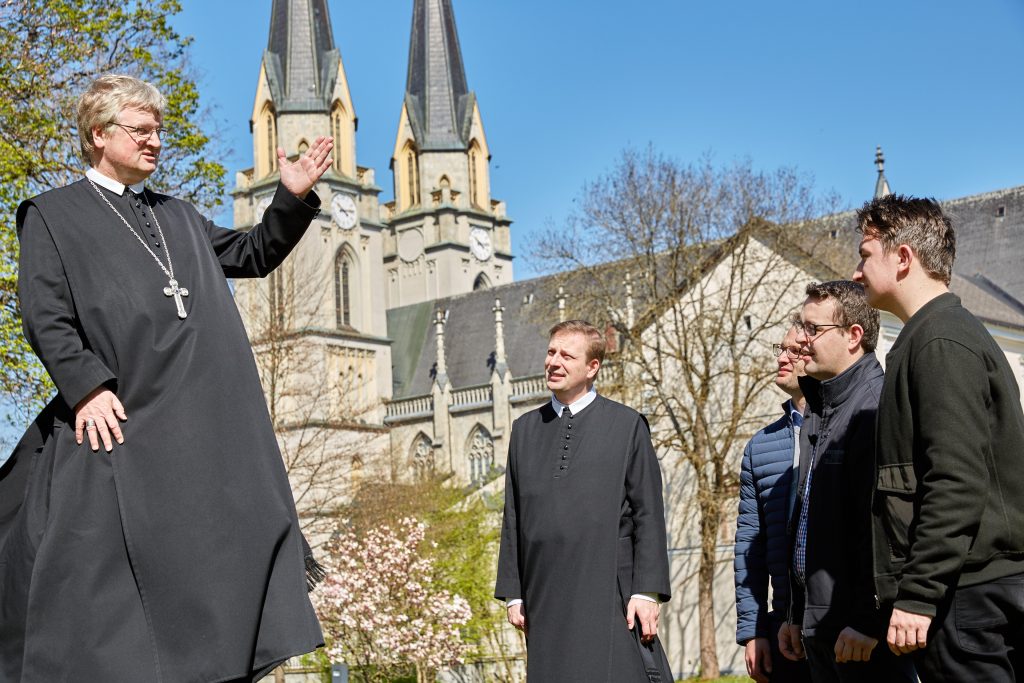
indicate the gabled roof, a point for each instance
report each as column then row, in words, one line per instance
column 301, row 60
column 531, row 306
column 438, row 101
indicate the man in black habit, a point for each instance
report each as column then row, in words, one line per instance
column 583, row 563
column 156, row 537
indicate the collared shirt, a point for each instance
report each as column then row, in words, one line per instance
column 574, row 408
column 796, row 418
column 800, row 549
column 111, row 184
column 577, row 405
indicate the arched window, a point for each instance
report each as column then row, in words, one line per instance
column 303, row 146
column 481, row 456
column 474, row 197
column 275, row 282
column 481, row 282
column 422, row 458
column 412, row 175
column 343, row 275
column 338, row 131
column 270, row 135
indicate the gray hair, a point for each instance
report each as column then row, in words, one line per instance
column 105, row 98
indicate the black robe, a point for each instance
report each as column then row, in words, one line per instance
column 583, row 530
column 178, row 557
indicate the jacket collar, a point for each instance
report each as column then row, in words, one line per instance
column 832, row 392
column 942, row 302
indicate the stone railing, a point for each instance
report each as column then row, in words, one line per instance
column 418, row 405
column 472, row 396
column 529, row 386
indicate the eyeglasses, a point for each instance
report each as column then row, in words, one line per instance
column 813, row 329
column 141, row 135
column 792, row 354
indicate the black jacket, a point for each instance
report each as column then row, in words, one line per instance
column 839, row 425
column 948, row 508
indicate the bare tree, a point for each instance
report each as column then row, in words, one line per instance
column 695, row 268
column 321, row 392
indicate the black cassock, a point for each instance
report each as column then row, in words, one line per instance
column 584, row 529
column 178, row 557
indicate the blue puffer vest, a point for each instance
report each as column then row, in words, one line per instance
column 762, row 544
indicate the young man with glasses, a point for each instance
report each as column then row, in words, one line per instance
column 949, row 507
column 767, row 490
column 156, row 537
column 834, row 620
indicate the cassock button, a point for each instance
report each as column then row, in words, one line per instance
column 157, row 245
column 567, row 437
column 148, row 225
column 570, row 426
column 563, row 467
column 565, row 448
column 137, row 205
column 565, row 457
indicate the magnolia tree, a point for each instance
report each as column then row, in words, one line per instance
column 380, row 608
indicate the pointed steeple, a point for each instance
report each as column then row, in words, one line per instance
column 301, row 61
column 882, row 185
column 438, row 100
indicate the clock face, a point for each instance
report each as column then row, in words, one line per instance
column 343, row 209
column 480, row 243
column 261, row 208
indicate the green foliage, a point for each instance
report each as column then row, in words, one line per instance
column 52, row 50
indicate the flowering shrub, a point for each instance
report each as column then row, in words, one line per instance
column 380, row 609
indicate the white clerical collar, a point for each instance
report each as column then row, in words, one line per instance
column 577, row 405
column 111, row 184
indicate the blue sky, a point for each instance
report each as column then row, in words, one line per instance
column 564, row 86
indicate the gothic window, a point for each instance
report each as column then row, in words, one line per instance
column 342, row 302
column 481, row 456
column 422, row 458
column 474, row 190
column 412, row 175
column 481, row 282
column 303, row 146
column 277, row 299
column 338, row 132
column 270, row 139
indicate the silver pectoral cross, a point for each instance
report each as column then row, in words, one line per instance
column 177, row 292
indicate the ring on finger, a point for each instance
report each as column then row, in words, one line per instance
column 90, row 423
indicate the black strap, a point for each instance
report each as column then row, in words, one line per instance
column 651, row 669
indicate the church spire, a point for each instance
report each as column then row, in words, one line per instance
column 438, row 100
column 882, row 185
column 301, row 60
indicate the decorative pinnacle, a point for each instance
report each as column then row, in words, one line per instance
column 879, row 159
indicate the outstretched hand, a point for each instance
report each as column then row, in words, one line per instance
column 298, row 177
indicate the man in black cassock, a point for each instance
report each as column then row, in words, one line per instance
column 156, row 537
column 583, row 563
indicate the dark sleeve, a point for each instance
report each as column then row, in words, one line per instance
column 257, row 252
column 865, row 616
column 750, row 565
column 508, row 585
column 48, row 312
column 644, row 495
column 950, row 397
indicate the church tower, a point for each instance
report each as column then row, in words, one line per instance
column 446, row 235
column 325, row 306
